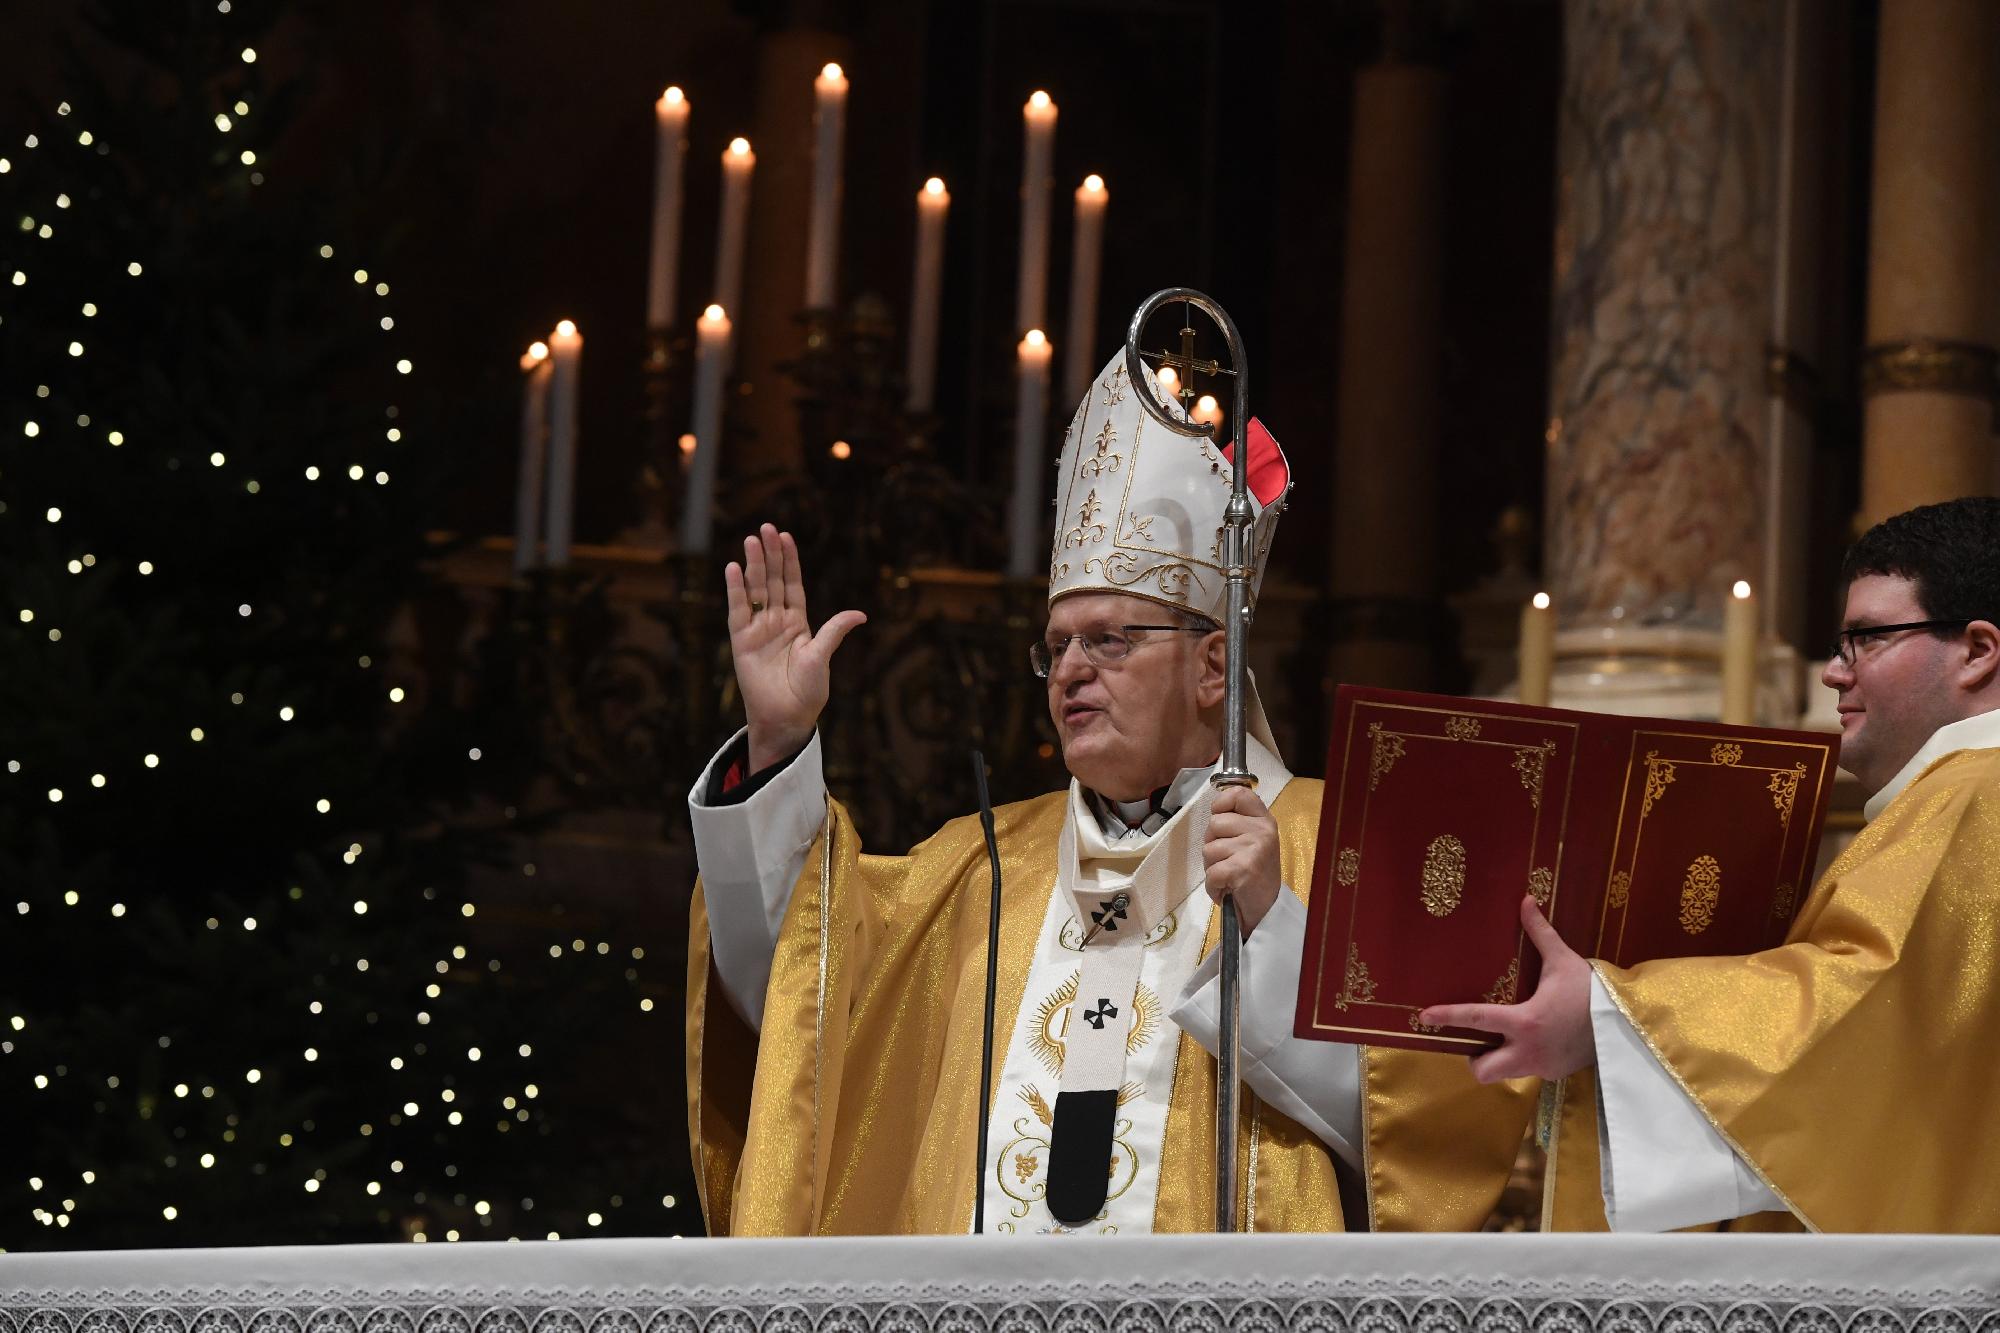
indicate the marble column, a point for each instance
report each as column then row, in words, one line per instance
column 1933, row 257
column 1385, row 624
column 1657, row 438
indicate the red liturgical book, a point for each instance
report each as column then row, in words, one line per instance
column 1641, row 838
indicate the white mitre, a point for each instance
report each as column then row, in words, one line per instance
column 1141, row 506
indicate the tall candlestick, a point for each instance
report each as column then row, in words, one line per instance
column 926, row 287
column 711, row 358
column 566, row 350
column 1538, row 650
column 1032, row 300
column 823, row 233
column 1028, row 506
column 535, row 371
column 737, row 162
column 1086, row 251
column 1739, row 655
column 669, row 163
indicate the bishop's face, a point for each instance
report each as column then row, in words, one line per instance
column 1898, row 689
column 1129, row 726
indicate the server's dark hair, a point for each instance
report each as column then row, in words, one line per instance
column 1950, row 551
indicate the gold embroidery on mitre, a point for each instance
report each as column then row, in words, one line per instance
column 1122, row 569
column 1784, row 789
column 1659, row 772
column 1462, row 728
column 1385, row 748
column 1348, row 869
column 1103, row 460
column 1138, row 528
column 1700, row 892
column 1114, row 388
column 1508, row 986
column 1722, row 752
column 1048, row 1038
column 1621, row 888
column 1087, row 528
column 1443, row 877
column 1532, row 763
column 1358, row 987
column 1542, row 886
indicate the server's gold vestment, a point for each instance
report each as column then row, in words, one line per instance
column 1853, row 1067
column 855, row 1110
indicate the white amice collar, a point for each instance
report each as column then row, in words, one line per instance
column 1980, row 732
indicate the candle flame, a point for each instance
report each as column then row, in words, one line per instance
column 673, row 96
column 1169, row 378
column 1094, row 183
column 1207, row 409
column 1542, row 602
column 841, row 449
column 1741, row 590
column 566, row 329
column 1039, row 99
column 1035, row 338
column 687, row 443
column 713, row 315
column 832, row 73
column 538, row 350
column 739, row 146
column 935, row 185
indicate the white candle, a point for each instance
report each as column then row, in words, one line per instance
column 1739, row 655
column 1538, row 650
column 1086, row 250
column 711, row 358
column 823, row 228
column 926, row 288
column 1028, row 507
column 535, row 371
column 1207, row 412
column 566, row 350
column 669, row 164
column 1032, row 301
column 737, row 161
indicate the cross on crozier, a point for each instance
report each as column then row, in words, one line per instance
column 1185, row 363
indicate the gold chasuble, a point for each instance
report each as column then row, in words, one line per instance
column 1853, row 1067
column 856, row 1108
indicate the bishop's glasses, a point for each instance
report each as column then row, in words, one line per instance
column 1102, row 647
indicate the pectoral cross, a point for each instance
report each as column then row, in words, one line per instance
column 1185, row 363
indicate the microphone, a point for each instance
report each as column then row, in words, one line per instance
column 992, row 984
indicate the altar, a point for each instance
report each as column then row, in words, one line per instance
column 1325, row 1284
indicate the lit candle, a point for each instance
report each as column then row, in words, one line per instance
column 1032, row 300
column 687, row 452
column 1207, row 411
column 1169, row 378
column 669, row 162
column 1739, row 655
column 926, row 288
column 737, row 161
column 566, row 351
column 1538, row 650
column 1086, row 248
column 535, row 371
column 711, row 357
column 823, row 224
column 1025, row 540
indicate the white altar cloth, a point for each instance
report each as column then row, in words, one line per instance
column 1321, row 1284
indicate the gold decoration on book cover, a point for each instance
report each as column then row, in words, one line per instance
column 1542, row 886
column 1508, row 986
column 1659, row 772
column 1725, row 753
column 1784, row 789
column 1443, row 877
column 1781, row 900
column 1462, row 728
column 1385, row 748
column 1700, row 892
column 1418, row 1026
column 1359, row 987
column 1620, row 891
column 1348, row 869
column 1532, row 763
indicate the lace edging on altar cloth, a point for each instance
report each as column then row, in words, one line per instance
column 1289, row 1305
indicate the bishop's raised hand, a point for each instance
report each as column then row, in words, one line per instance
column 782, row 667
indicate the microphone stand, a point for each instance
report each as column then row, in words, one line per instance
column 992, row 984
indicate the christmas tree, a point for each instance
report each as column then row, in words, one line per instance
column 243, row 992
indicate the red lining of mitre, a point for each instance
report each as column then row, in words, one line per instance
column 1269, row 472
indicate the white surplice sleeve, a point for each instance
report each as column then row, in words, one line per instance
column 1316, row 1083
column 1661, row 1164
column 749, row 854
